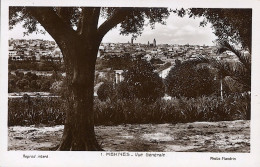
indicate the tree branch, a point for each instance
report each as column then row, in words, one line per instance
column 119, row 16
column 52, row 23
column 95, row 17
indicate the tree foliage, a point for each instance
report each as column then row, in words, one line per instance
column 237, row 78
column 190, row 80
column 232, row 25
column 143, row 82
column 240, row 72
column 117, row 62
column 140, row 81
column 30, row 82
column 131, row 20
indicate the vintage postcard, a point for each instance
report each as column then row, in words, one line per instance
column 170, row 83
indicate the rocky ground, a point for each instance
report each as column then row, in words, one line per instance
column 225, row 136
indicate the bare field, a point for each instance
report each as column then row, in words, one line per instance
column 224, row 136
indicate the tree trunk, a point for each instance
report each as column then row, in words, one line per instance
column 80, row 58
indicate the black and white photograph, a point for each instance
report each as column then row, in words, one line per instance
column 129, row 81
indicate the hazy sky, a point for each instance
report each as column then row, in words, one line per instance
column 177, row 31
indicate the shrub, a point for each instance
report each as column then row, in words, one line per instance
column 28, row 111
column 31, row 111
column 177, row 110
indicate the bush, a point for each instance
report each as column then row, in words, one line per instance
column 28, row 111
column 33, row 111
column 177, row 110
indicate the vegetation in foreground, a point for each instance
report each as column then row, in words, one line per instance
column 51, row 111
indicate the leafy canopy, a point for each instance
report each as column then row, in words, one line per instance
column 191, row 79
column 132, row 19
column 232, row 25
column 142, row 82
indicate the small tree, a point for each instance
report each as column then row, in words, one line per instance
column 241, row 71
column 143, row 82
column 190, row 80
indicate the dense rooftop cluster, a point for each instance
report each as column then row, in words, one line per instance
column 33, row 49
column 21, row 49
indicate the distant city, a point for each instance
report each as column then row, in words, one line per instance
column 37, row 49
column 21, row 49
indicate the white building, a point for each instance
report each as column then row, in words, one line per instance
column 163, row 74
column 118, row 76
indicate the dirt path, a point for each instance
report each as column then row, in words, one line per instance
column 226, row 136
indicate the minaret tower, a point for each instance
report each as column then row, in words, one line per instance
column 154, row 43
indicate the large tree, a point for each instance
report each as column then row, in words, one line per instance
column 233, row 27
column 78, row 35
